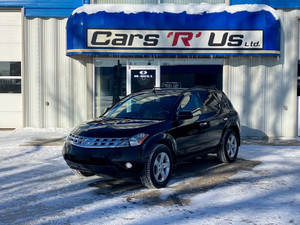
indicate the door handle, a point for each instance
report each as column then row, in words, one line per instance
column 203, row 124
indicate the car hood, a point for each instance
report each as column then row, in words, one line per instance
column 105, row 127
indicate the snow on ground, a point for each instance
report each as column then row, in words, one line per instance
column 37, row 187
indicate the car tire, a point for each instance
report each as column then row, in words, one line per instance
column 82, row 173
column 158, row 167
column 229, row 147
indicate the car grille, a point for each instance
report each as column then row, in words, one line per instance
column 90, row 142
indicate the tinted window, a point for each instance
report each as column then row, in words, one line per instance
column 210, row 103
column 190, row 103
column 219, row 96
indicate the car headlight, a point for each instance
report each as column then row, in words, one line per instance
column 138, row 139
column 135, row 140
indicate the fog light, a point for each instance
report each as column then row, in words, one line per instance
column 128, row 165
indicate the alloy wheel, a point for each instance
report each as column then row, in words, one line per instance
column 161, row 167
column 231, row 146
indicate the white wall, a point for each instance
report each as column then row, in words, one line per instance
column 55, row 85
column 263, row 89
column 11, row 35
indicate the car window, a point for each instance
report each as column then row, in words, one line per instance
column 210, row 103
column 190, row 103
column 148, row 106
column 219, row 96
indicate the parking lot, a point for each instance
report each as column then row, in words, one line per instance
column 37, row 187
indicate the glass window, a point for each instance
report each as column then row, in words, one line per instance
column 210, row 103
column 10, row 85
column 110, row 86
column 10, row 77
column 190, row 103
column 10, row 69
column 219, row 96
column 148, row 106
column 193, row 75
column 142, row 79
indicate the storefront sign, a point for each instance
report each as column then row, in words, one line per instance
column 173, row 39
column 218, row 30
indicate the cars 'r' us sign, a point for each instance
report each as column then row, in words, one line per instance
column 178, row 30
column 174, row 39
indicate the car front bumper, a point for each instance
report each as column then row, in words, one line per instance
column 114, row 162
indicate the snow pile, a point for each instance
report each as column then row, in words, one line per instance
column 173, row 8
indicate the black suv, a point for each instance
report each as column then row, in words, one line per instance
column 148, row 132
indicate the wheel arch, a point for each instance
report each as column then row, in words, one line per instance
column 162, row 138
column 236, row 129
column 171, row 144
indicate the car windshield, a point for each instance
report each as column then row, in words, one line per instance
column 147, row 106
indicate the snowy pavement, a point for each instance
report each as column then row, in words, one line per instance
column 37, row 187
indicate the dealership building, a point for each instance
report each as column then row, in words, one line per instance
column 64, row 61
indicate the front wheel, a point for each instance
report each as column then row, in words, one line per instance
column 229, row 148
column 158, row 167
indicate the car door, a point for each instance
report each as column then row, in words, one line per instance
column 189, row 133
column 216, row 117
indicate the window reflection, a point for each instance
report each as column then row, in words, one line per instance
column 210, row 103
column 146, row 106
column 190, row 103
column 110, row 86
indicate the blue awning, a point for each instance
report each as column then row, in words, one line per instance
column 45, row 8
column 173, row 30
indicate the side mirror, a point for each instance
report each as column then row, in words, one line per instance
column 185, row 115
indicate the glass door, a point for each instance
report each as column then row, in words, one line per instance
column 142, row 77
column 109, row 83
